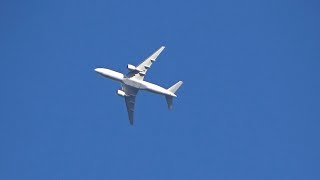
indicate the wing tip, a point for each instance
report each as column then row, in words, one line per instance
column 131, row 120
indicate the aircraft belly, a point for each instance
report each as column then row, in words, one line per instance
column 156, row 89
column 135, row 84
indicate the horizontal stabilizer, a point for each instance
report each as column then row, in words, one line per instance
column 175, row 87
column 172, row 89
column 169, row 100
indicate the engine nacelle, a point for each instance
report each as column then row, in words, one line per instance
column 131, row 67
column 121, row 93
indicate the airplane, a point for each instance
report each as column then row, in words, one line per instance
column 133, row 81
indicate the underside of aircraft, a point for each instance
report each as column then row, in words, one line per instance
column 133, row 81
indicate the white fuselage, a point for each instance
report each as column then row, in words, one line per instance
column 135, row 83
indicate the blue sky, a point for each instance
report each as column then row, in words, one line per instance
column 248, row 108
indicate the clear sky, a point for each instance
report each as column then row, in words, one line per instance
column 248, row 108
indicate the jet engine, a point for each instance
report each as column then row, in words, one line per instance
column 121, row 93
column 131, row 67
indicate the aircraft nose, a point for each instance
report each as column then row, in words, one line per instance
column 98, row 70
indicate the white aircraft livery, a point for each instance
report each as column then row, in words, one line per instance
column 133, row 81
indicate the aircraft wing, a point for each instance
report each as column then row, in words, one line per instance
column 145, row 65
column 130, row 99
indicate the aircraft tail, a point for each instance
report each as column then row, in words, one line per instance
column 175, row 87
column 172, row 89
